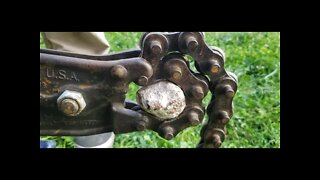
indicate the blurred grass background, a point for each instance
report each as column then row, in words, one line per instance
column 255, row 59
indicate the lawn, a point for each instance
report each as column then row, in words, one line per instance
column 255, row 59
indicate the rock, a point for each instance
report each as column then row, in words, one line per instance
column 163, row 99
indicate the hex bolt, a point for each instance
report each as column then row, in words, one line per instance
column 192, row 43
column 175, row 72
column 197, row 92
column 156, row 47
column 143, row 80
column 168, row 133
column 193, row 118
column 71, row 103
column 119, row 72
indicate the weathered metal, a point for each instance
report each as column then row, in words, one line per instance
column 103, row 83
column 71, row 103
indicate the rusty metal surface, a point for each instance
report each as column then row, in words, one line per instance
column 103, row 82
column 103, row 85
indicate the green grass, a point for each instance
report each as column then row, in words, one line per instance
column 255, row 59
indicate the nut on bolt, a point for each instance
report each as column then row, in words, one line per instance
column 71, row 103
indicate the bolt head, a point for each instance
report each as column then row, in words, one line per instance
column 229, row 92
column 175, row 72
column 142, row 81
column 176, row 75
column 197, row 92
column 192, row 44
column 119, row 72
column 193, row 118
column 156, row 47
column 168, row 136
column 224, row 116
column 214, row 68
column 216, row 140
column 141, row 126
column 168, row 133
